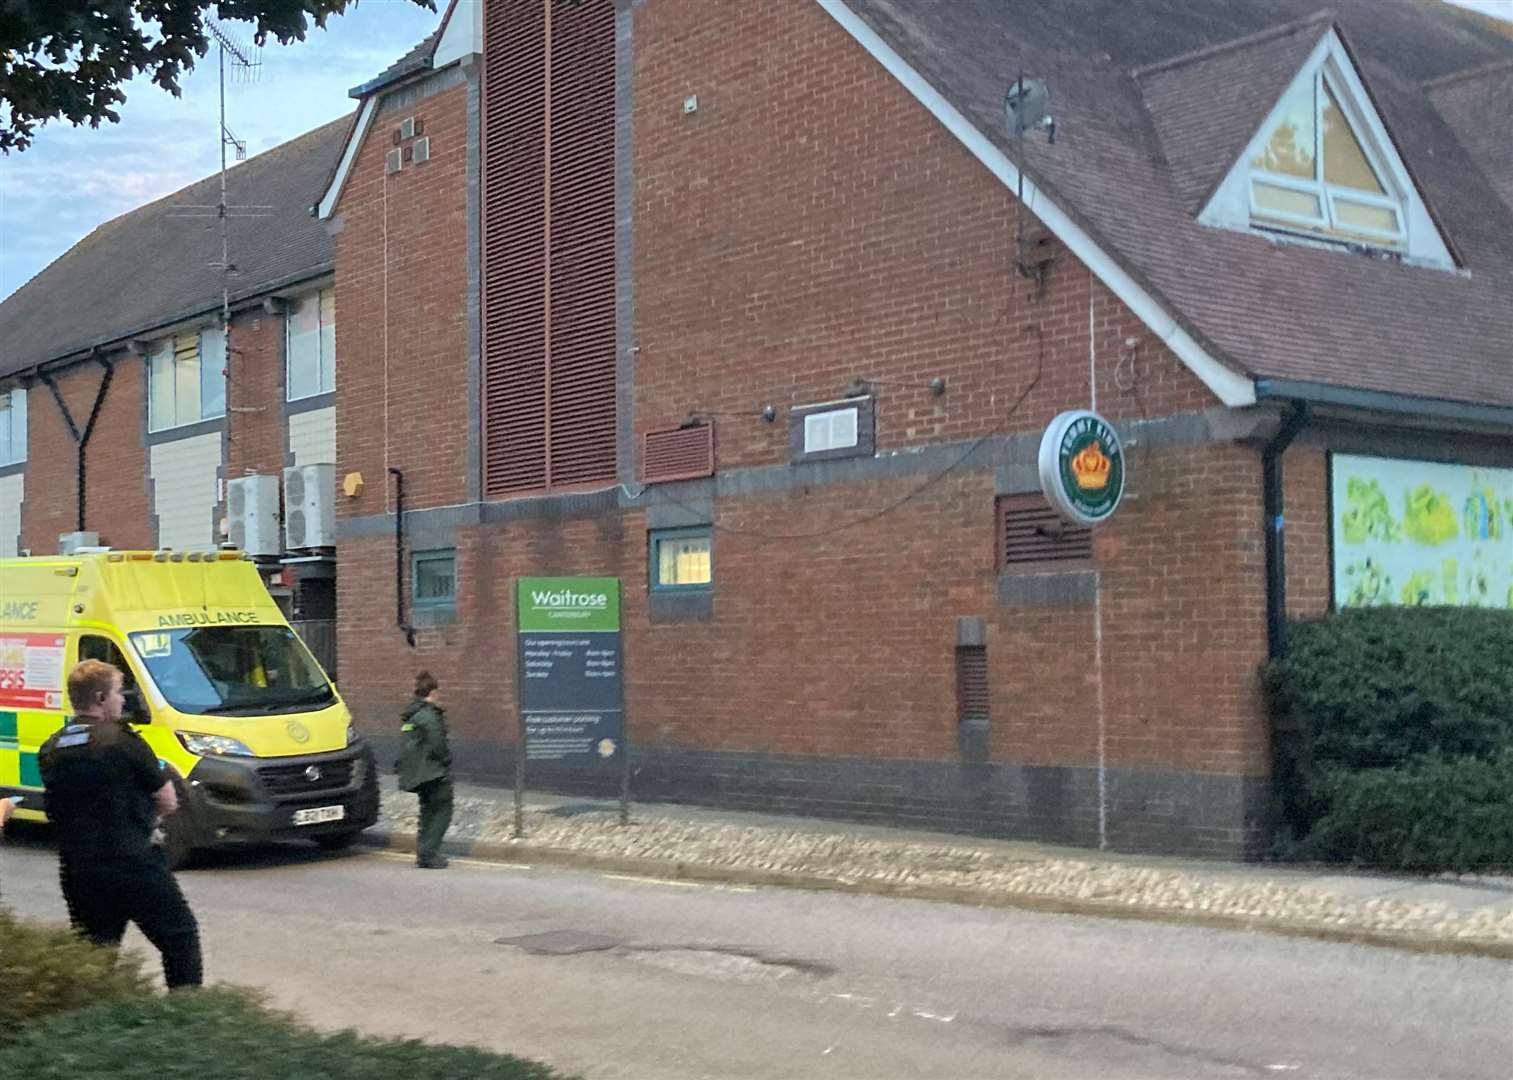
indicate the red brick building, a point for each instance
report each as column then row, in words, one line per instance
column 763, row 308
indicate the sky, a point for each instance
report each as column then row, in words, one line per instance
column 72, row 179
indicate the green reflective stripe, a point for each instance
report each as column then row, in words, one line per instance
column 31, row 775
column 8, row 727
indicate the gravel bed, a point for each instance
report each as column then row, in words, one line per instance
column 852, row 859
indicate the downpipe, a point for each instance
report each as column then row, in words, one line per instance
column 1293, row 423
column 400, row 619
column 81, row 439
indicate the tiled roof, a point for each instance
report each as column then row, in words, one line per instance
column 417, row 59
column 1154, row 99
column 152, row 267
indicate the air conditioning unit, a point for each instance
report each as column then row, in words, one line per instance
column 310, row 506
column 252, row 509
column 77, row 543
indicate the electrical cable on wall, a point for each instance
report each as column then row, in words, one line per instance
column 917, row 491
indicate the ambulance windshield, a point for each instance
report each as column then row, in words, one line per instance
column 234, row 670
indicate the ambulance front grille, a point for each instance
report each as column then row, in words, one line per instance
column 310, row 778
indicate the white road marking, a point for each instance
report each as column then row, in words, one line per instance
column 658, row 881
column 455, row 860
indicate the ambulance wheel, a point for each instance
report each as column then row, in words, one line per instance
column 178, row 831
column 339, row 841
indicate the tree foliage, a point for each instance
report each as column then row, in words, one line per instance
column 69, row 59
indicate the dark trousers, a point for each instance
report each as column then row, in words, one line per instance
column 103, row 895
column 435, row 817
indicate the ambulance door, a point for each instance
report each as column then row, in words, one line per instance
column 99, row 647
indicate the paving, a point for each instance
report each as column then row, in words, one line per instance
column 1456, row 914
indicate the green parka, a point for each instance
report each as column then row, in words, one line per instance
column 424, row 755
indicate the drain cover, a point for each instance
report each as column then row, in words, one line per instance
column 560, row 942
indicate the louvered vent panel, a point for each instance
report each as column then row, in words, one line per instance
column 680, row 454
column 972, row 684
column 1030, row 533
column 582, row 317
column 514, row 247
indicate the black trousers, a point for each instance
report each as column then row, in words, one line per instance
column 103, row 895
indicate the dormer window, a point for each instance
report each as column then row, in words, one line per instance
column 1321, row 168
column 1313, row 173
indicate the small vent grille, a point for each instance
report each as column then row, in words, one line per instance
column 297, row 529
column 1032, row 534
column 238, row 532
column 680, row 454
column 236, row 501
column 294, row 486
column 972, row 684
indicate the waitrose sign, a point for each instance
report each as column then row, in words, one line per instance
column 569, row 605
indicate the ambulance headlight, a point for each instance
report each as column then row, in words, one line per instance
column 213, row 745
column 351, row 734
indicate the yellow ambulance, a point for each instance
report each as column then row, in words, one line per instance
column 251, row 731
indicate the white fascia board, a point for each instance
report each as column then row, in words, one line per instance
column 1424, row 240
column 462, row 35
column 327, row 204
column 1229, row 386
column 1229, row 207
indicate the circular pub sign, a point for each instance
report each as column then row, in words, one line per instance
column 1082, row 467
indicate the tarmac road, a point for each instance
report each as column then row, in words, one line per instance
column 644, row 978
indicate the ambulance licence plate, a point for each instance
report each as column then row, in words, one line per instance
column 315, row 815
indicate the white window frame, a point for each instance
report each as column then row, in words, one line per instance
column 156, row 423
column 13, row 408
column 325, row 366
column 819, row 429
column 1232, row 206
column 1328, row 223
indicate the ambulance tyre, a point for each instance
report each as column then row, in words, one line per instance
column 340, row 841
column 178, row 831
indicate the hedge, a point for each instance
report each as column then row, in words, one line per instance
column 1394, row 737
column 48, row 969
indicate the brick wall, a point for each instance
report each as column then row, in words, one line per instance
column 116, row 488
column 254, row 395
column 401, row 313
column 811, row 224
column 1305, row 482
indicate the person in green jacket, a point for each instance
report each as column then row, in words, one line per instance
column 424, row 764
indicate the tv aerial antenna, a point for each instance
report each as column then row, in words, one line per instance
column 246, row 66
column 1027, row 108
column 245, row 61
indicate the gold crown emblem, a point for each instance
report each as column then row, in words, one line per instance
column 1091, row 468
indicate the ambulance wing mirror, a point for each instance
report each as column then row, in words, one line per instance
column 135, row 710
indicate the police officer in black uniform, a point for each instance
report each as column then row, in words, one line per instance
column 105, row 788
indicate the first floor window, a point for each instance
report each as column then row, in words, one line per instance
column 682, row 559
column 12, row 426
column 311, row 346
column 187, row 379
